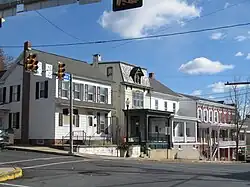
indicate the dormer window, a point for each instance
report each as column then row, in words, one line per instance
column 136, row 74
column 137, row 79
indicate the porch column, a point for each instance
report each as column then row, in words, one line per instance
column 172, row 130
column 146, row 128
column 210, row 143
column 218, row 136
column 185, row 131
column 196, row 132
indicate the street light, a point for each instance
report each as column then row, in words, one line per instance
column 127, row 104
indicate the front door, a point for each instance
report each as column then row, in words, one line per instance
column 135, row 127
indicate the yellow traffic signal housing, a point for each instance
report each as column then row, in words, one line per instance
column 30, row 60
column 35, row 66
column 61, row 70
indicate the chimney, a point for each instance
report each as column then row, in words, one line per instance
column 151, row 75
column 96, row 59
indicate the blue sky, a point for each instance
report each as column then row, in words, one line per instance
column 197, row 63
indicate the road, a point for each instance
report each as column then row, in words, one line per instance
column 52, row 170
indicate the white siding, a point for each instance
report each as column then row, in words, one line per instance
column 161, row 104
column 42, row 110
column 15, row 78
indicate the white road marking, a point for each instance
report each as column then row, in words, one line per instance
column 34, row 159
column 16, row 185
column 52, row 164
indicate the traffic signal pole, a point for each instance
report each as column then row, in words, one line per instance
column 71, row 151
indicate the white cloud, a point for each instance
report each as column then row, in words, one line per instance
column 203, row 65
column 196, row 92
column 226, row 5
column 153, row 15
column 217, row 36
column 220, row 87
column 211, row 97
column 239, row 54
column 248, row 56
column 240, row 38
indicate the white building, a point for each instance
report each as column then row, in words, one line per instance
column 35, row 111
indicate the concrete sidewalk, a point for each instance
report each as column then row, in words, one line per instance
column 10, row 174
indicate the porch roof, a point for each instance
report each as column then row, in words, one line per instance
column 221, row 125
column 149, row 112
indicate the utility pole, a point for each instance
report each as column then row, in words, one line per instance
column 71, row 115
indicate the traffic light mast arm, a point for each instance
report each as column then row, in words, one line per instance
column 236, row 83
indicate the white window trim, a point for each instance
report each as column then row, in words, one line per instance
column 204, row 115
column 209, row 111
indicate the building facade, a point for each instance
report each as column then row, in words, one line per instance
column 47, row 103
column 216, row 128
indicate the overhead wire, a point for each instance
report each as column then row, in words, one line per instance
column 192, row 19
column 131, row 39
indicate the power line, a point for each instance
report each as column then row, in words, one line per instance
column 57, row 27
column 136, row 38
column 190, row 20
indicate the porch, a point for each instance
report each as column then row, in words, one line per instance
column 148, row 127
column 218, row 141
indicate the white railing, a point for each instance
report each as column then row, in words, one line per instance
column 231, row 143
column 178, row 139
column 190, row 139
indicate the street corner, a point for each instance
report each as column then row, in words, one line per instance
column 10, row 173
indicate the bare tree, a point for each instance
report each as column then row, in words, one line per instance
column 5, row 60
column 240, row 97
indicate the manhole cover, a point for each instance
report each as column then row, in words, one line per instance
column 94, row 173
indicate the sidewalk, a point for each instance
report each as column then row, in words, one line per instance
column 10, row 174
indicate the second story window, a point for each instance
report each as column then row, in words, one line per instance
column 174, row 108
column 205, row 115
column 166, row 105
column 156, row 105
column 211, row 116
column 15, row 93
column 102, row 95
column 109, row 71
column 138, row 99
column 216, row 116
column 42, row 89
column 90, row 93
column 65, row 89
column 137, row 78
column 199, row 114
column 76, row 91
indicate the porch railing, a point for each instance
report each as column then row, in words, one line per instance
column 157, row 137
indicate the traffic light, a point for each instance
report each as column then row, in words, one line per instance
column 119, row 5
column 61, row 70
column 31, row 63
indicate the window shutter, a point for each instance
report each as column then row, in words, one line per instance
column 11, row 91
column 37, row 90
column 94, row 94
column 17, row 120
column 10, row 120
column 98, row 94
column 18, row 92
column 60, row 119
column 106, row 95
column 77, row 120
column 46, row 89
column 4, row 94
column 82, row 92
column 59, row 88
column 98, row 123
column 86, row 92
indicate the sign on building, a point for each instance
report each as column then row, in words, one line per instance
column 119, row 5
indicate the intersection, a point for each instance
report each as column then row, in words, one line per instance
column 53, row 170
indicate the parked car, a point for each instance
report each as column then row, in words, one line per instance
column 4, row 138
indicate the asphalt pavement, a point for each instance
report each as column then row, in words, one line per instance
column 65, row 171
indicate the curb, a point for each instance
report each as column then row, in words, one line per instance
column 17, row 173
